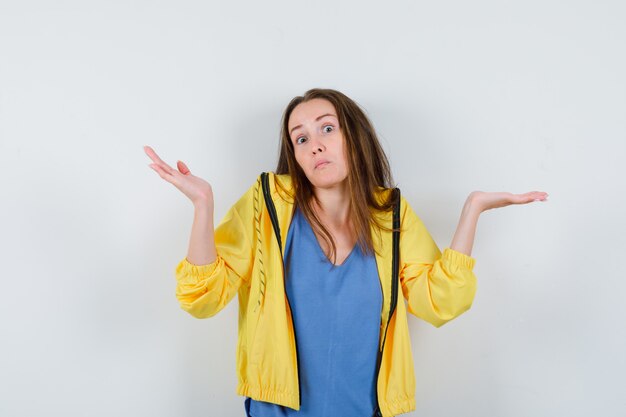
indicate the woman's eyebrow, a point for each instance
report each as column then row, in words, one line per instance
column 319, row 117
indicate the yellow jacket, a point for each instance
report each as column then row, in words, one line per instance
column 438, row 287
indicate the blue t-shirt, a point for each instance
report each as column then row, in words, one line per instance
column 336, row 314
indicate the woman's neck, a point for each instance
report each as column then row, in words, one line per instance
column 334, row 206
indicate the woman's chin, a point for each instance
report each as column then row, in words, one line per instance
column 327, row 183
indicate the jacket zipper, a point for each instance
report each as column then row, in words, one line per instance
column 272, row 212
column 394, row 291
column 394, row 279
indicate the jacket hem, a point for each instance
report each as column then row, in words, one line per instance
column 270, row 395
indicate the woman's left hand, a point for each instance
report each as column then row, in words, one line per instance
column 489, row 200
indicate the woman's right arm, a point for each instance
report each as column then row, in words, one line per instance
column 202, row 241
column 218, row 259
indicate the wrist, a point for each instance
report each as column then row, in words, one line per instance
column 472, row 206
column 203, row 206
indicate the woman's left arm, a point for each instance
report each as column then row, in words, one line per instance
column 476, row 203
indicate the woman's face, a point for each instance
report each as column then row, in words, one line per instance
column 318, row 143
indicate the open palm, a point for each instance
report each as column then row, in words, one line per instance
column 195, row 188
column 489, row 200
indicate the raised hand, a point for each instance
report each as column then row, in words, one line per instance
column 489, row 200
column 479, row 201
column 195, row 188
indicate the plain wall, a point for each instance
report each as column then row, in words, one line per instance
column 483, row 95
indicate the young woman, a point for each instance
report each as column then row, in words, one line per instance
column 312, row 254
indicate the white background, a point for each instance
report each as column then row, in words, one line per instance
column 482, row 95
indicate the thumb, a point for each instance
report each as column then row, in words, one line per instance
column 182, row 167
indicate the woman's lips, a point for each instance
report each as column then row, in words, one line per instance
column 323, row 164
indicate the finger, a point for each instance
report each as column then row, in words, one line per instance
column 151, row 153
column 522, row 198
column 532, row 195
column 182, row 167
column 158, row 161
column 539, row 196
column 162, row 173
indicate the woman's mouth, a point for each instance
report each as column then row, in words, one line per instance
column 321, row 163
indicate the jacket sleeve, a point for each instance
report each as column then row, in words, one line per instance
column 204, row 290
column 437, row 287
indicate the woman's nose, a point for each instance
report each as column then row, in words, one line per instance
column 317, row 146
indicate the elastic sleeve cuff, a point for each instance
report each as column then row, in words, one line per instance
column 186, row 270
column 458, row 258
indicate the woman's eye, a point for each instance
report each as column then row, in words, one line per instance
column 298, row 139
column 326, row 127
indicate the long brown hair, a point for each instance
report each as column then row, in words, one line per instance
column 368, row 169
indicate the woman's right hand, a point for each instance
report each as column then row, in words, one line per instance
column 195, row 188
